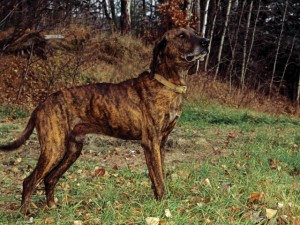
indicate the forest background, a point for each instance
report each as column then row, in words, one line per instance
column 254, row 44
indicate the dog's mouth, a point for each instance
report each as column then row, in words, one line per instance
column 197, row 54
column 192, row 58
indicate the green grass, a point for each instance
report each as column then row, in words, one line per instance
column 13, row 112
column 251, row 153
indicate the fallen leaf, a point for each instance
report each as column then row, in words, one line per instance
column 152, row 221
column 270, row 213
column 77, row 222
column 207, row 182
column 284, row 218
column 162, row 222
column 99, row 172
column 296, row 221
column 255, row 197
column 254, row 216
column 273, row 163
column 183, row 174
column 49, row 220
column 280, row 205
column 168, row 213
column 116, row 167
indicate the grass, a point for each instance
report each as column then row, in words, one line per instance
column 252, row 167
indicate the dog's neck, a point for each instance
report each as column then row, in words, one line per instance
column 177, row 76
column 181, row 89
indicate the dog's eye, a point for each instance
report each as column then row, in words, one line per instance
column 181, row 35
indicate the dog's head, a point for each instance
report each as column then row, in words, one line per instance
column 179, row 48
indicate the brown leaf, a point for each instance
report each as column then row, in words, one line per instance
column 255, row 197
column 49, row 220
column 99, row 172
column 116, row 167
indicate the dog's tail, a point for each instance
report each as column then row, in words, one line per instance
column 24, row 136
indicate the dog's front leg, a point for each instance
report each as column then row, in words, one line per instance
column 151, row 145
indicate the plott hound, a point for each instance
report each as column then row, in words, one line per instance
column 145, row 108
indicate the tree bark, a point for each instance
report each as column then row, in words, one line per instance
column 298, row 91
column 253, row 36
column 278, row 47
column 113, row 13
column 222, row 38
column 287, row 63
column 198, row 15
column 205, row 18
column 125, row 17
column 245, row 47
column 211, row 35
column 144, row 18
column 236, row 38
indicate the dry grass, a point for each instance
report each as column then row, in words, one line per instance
column 203, row 87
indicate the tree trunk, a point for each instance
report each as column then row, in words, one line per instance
column 253, row 36
column 298, row 91
column 113, row 13
column 205, row 18
column 211, row 35
column 236, row 38
column 278, row 47
column 245, row 46
column 125, row 21
column 144, row 18
column 287, row 63
column 223, row 37
column 198, row 15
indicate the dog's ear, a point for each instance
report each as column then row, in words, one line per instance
column 157, row 54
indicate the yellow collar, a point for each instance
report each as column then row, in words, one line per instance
column 176, row 88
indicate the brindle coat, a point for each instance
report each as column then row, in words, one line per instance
column 137, row 109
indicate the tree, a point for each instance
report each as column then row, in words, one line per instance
column 278, row 47
column 211, row 35
column 125, row 20
column 243, row 72
column 205, row 18
column 223, row 37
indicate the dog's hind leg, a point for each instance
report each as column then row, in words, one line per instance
column 72, row 154
column 47, row 161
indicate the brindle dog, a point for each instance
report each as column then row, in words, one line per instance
column 145, row 108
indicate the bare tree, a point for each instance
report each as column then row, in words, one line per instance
column 198, row 15
column 298, row 90
column 205, row 18
column 253, row 36
column 212, row 34
column 236, row 39
column 278, row 47
column 245, row 46
column 144, row 11
column 222, row 38
column 113, row 12
column 125, row 21
column 287, row 62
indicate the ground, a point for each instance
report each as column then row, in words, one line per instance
column 223, row 166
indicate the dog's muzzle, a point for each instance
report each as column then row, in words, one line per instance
column 192, row 57
column 200, row 51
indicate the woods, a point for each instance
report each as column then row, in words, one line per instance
column 254, row 44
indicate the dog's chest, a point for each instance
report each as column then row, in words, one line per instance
column 174, row 111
